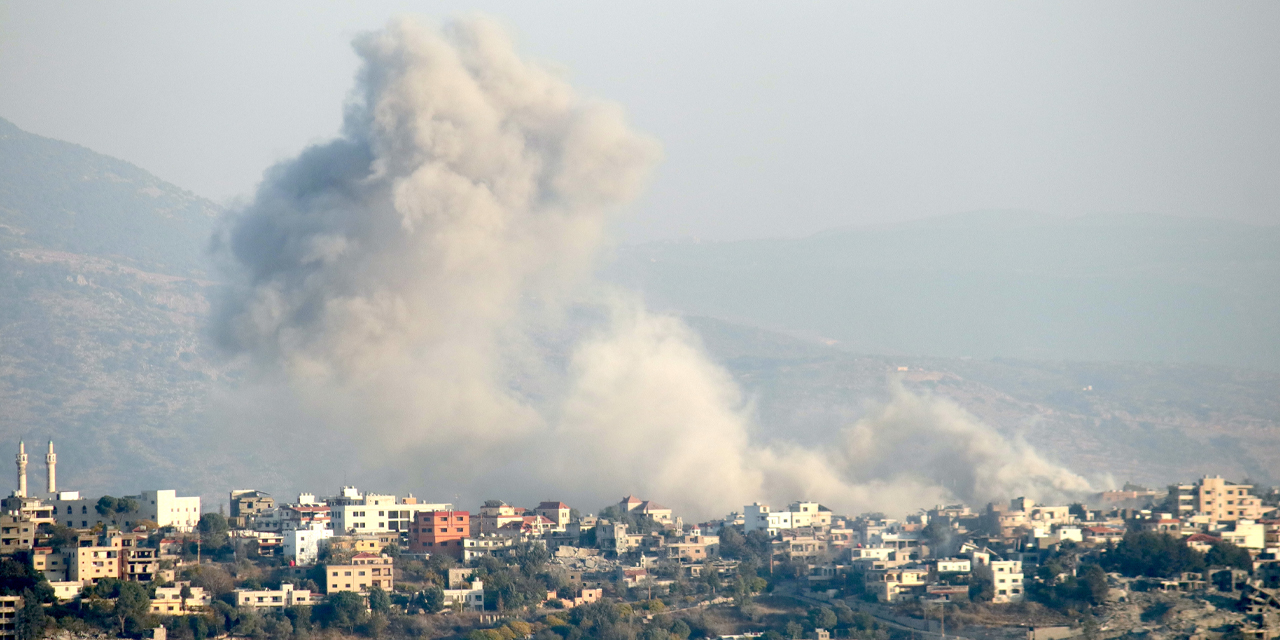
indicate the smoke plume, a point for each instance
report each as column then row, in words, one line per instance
column 417, row 302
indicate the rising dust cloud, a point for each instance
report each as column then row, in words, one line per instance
column 416, row 302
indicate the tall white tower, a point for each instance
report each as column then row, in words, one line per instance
column 51, row 463
column 22, row 470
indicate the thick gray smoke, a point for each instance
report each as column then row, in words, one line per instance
column 417, row 303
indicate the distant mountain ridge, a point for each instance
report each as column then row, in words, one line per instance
column 60, row 196
column 993, row 284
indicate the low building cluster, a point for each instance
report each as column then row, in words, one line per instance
column 355, row 542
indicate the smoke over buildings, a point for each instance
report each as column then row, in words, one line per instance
column 416, row 300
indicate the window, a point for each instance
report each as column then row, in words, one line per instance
column 459, row 518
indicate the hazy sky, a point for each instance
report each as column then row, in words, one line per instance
column 776, row 118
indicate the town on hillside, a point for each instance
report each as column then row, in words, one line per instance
column 1199, row 560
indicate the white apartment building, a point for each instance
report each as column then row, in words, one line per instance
column 1007, row 575
column 285, row 596
column 759, row 517
column 467, row 598
column 303, row 545
column 351, row 512
column 167, row 508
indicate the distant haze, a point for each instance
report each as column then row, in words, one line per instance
column 777, row 119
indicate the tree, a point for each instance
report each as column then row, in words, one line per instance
column 132, row 602
column 106, row 506
column 185, row 594
column 343, row 610
column 432, row 599
column 1158, row 555
column 379, row 601
column 1225, row 554
column 212, row 524
column 822, row 618
column 31, row 618
column 531, row 557
column 982, row 584
column 680, row 629
column 60, row 536
column 1094, row 584
column 794, row 630
column 126, row 505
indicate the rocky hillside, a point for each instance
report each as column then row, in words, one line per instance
column 103, row 288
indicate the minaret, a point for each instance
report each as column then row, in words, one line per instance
column 22, row 470
column 51, row 463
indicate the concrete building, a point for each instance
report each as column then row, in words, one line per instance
column 163, row 507
column 495, row 516
column 17, row 533
column 1216, row 498
column 365, row 572
column 467, row 597
column 247, row 504
column 632, row 504
column 285, row 596
column 556, row 512
column 759, row 517
column 169, row 602
column 303, row 545
column 440, row 532
column 9, row 608
column 354, row 513
column 88, row 565
column 1007, row 575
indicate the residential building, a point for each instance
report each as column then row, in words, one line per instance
column 485, row 545
column 466, row 597
column 1244, row 533
column 759, row 517
column 632, row 504
column 292, row 516
column 138, row 563
column 556, row 512
column 17, row 533
column 694, row 548
column 809, row 514
column 302, row 546
column 88, row 565
column 285, row 596
column 365, row 572
column 169, row 601
column 1007, row 575
column 892, row 584
column 66, row 591
column 9, row 608
column 496, row 515
column 440, row 532
column 52, row 564
column 1218, row 499
column 247, row 504
column 354, row 513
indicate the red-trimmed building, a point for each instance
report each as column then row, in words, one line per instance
column 440, row 532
